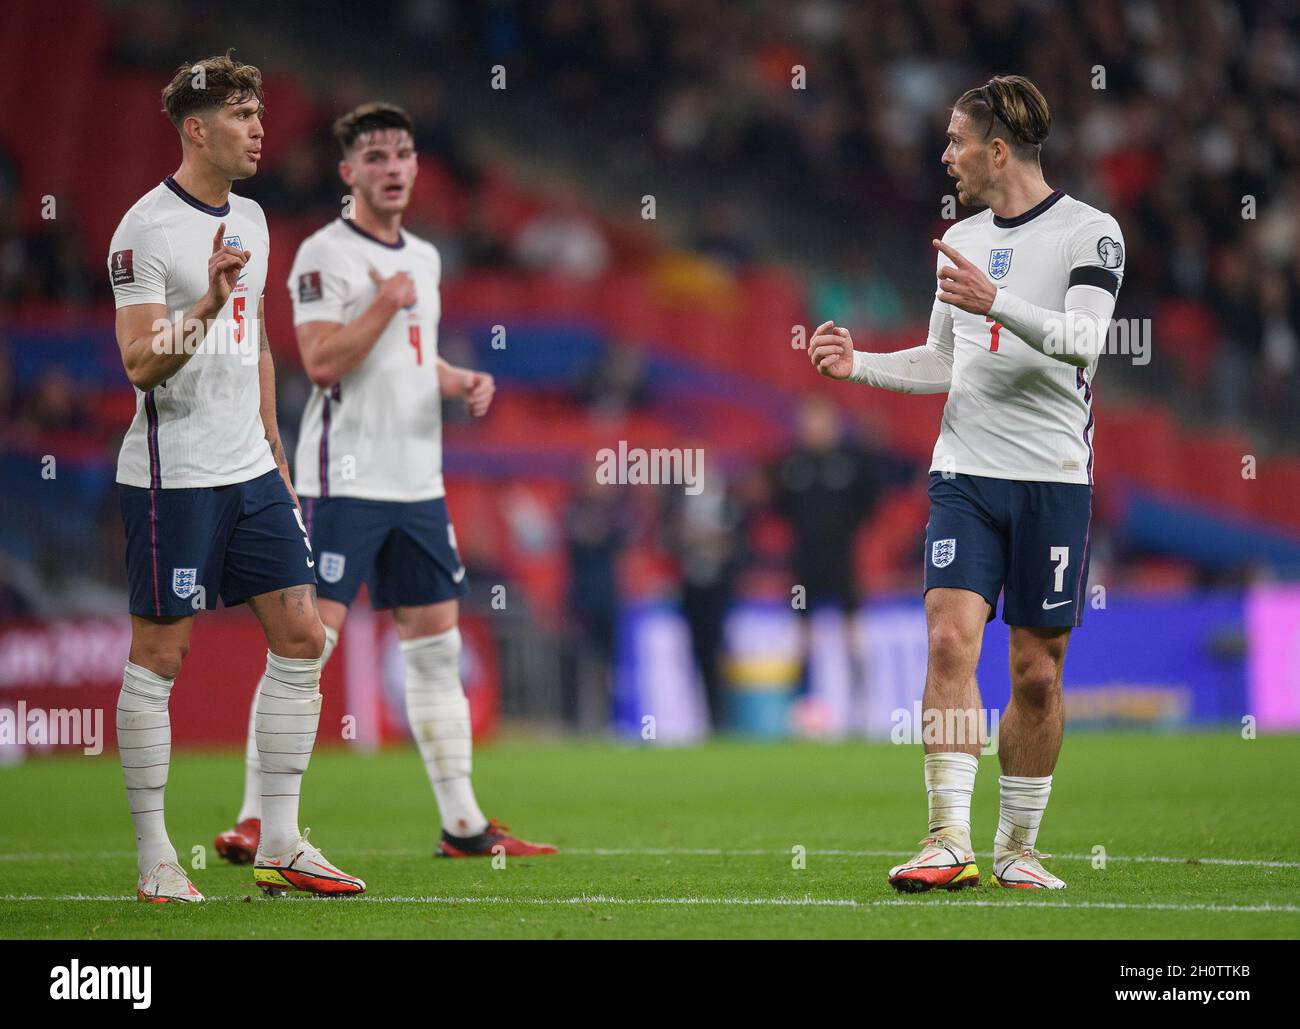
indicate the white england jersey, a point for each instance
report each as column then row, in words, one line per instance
column 203, row 426
column 375, row 434
column 1013, row 412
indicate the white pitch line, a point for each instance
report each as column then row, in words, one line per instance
column 710, row 852
column 813, row 902
column 717, row 852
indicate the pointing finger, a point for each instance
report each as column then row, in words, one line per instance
column 950, row 253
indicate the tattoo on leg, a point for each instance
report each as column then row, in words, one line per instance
column 299, row 596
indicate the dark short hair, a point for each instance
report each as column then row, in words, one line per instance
column 224, row 79
column 1009, row 107
column 370, row 117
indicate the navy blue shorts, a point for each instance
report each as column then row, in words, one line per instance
column 1027, row 540
column 186, row 547
column 405, row 552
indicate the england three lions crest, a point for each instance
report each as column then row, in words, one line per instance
column 237, row 243
column 331, row 565
column 942, row 552
column 184, row 581
column 999, row 263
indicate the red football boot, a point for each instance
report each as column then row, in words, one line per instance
column 495, row 835
column 239, row 845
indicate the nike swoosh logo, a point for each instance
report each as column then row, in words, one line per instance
column 1059, row 603
column 460, row 574
column 311, row 563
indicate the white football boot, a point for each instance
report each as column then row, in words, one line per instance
column 1024, row 870
column 166, row 882
column 304, row 868
column 943, row 863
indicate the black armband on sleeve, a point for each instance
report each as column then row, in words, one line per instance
column 1095, row 275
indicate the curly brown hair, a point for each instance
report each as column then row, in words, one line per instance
column 208, row 84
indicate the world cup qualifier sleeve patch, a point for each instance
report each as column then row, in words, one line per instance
column 123, row 265
column 309, row 287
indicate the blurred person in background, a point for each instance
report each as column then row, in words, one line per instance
column 706, row 534
column 595, row 538
column 367, row 307
column 825, row 489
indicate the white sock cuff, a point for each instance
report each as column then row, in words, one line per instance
column 149, row 688
column 144, row 675
column 1032, row 781
column 331, row 641
column 447, row 638
column 953, row 760
column 435, row 657
column 294, row 671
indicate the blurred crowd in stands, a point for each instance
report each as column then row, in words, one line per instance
column 1181, row 118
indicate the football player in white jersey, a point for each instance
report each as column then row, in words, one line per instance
column 1026, row 290
column 369, row 464
column 206, row 500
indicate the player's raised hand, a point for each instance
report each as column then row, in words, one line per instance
column 479, row 390
column 397, row 289
column 831, row 351
column 224, row 266
column 962, row 284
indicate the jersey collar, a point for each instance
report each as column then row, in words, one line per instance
column 401, row 239
column 1032, row 213
column 194, row 201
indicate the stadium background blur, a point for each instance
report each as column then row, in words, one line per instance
column 773, row 207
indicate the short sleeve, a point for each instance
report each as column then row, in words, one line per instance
column 318, row 290
column 138, row 258
column 266, row 239
column 1096, row 254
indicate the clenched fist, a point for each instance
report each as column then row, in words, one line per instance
column 398, row 290
column 479, row 389
column 831, row 351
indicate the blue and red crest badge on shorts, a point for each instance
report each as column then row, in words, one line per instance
column 183, row 581
column 942, row 552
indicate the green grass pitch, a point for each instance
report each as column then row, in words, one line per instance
column 684, row 842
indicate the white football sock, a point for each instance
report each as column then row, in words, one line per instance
column 144, row 745
column 1020, row 812
column 949, row 784
column 288, row 713
column 438, row 710
column 331, row 638
column 252, row 806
